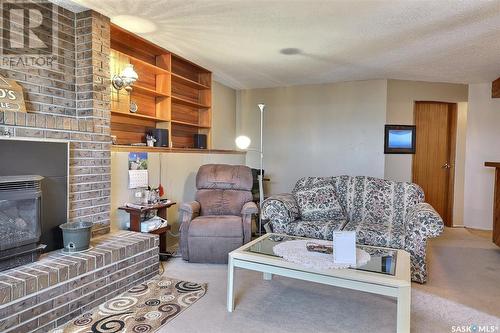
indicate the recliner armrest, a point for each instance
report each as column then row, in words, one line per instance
column 187, row 212
column 192, row 208
column 249, row 208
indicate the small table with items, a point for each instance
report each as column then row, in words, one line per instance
column 137, row 212
column 387, row 272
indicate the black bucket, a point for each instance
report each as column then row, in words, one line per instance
column 76, row 236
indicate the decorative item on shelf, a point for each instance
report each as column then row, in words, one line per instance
column 133, row 107
column 153, row 195
column 399, row 139
column 150, row 140
column 126, row 78
column 243, row 142
column 114, row 139
column 161, row 136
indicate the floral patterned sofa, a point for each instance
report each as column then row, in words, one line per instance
column 383, row 213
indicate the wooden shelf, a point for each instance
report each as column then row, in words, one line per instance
column 171, row 93
column 136, row 61
column 147, row 91
column 138, row 115
column 129, row 148
column 160, row 230
column 183, row 101
column 188, row 124
column 190, row 83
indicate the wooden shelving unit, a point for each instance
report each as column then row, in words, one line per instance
column 171, row 92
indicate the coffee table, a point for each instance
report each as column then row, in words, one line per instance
column 387, row 272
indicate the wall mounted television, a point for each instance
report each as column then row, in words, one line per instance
column 399, row 139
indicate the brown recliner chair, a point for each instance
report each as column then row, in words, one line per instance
column 219, row 221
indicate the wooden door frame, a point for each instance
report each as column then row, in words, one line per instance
column 452, row 135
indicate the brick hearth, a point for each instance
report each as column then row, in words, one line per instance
column 60, row 286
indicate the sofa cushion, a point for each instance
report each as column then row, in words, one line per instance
column 319, row 203
column 377, row 209
column 314, row 229
column 216, row 226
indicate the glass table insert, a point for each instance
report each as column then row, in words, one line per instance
column 382, row 261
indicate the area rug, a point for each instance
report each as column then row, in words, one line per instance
column 142, row 309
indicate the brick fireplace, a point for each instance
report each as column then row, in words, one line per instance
column 71, row 101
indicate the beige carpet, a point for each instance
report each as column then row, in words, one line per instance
column 463, row 289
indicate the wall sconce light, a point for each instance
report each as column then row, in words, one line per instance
column 126, row 78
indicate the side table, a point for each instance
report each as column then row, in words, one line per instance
column 136, row 220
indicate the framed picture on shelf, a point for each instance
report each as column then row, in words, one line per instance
column 399, row 139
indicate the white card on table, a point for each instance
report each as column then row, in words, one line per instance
column 344, row 247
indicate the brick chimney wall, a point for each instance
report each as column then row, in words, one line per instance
column 71, row 101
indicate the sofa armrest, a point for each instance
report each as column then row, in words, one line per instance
column 421, row 223
column 280, row 208
column 423, row 220
column 187, row 212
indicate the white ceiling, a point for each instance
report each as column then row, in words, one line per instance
column 240, row 41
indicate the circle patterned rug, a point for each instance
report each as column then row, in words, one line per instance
column 142, row 309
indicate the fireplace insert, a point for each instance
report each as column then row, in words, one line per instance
column 20, row 210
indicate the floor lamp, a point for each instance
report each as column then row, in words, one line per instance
column 243, row 142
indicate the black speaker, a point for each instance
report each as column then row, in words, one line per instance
column 200, row 141
column 161, row 136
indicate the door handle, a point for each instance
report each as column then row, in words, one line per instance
column 446, row 166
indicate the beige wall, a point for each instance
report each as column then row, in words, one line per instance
column 483, row 138
column 401, row 97
column 178, row 173
column 322, row 130
column 223, row 116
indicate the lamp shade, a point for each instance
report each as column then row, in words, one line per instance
column 129, row 73
column 243, row 142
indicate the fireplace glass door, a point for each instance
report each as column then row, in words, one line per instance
column 19, row 217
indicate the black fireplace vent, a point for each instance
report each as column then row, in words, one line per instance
column 20, row 183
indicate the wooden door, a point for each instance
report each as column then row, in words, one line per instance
column 434, row 159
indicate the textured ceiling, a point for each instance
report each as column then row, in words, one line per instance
column 240, row 41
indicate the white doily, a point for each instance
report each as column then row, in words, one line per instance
column 295, row 251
